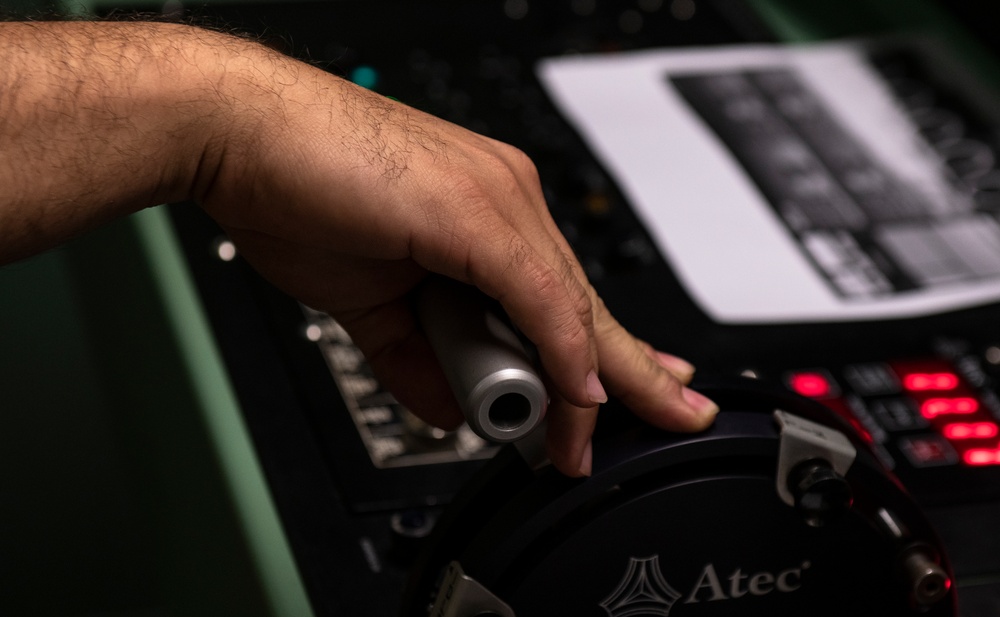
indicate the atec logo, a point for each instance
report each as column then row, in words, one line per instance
column 643, row 592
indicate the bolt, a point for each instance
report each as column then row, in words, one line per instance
column 821, row 494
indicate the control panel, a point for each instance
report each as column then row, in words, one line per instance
column 932, row 419
column 370, row 479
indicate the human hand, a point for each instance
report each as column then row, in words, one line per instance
column 347, row 200
column 341, row 197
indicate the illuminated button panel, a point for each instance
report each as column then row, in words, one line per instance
column 922, row 409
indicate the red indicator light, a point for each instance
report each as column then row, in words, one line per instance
column 813, row 385
column 982, row 456
column 971, row 430
column 934, row 407
column 919, row 382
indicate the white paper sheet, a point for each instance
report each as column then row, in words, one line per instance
column 744, row 259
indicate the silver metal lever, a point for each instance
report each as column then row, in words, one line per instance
column 484, row 360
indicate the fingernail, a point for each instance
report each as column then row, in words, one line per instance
column 678, row 366
column 595, row 390
column 699, row 402
column 587, row 461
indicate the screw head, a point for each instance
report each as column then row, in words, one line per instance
column 821, row 494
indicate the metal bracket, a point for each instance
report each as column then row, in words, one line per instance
column 463, row 596
column 803, row 440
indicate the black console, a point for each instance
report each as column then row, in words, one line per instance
column 688, row 525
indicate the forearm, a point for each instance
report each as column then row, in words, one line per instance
column 341, row 197
column 98, row 120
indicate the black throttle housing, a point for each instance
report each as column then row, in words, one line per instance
column 780, row 508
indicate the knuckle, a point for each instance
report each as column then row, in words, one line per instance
column 513, row 166
column 521, row 162
column 463, row 186
column 572, row 319
column 658, row 390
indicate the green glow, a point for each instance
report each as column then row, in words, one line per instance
column 259, row 518
column 365, row 76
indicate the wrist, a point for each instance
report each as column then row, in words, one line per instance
column 99, row 120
